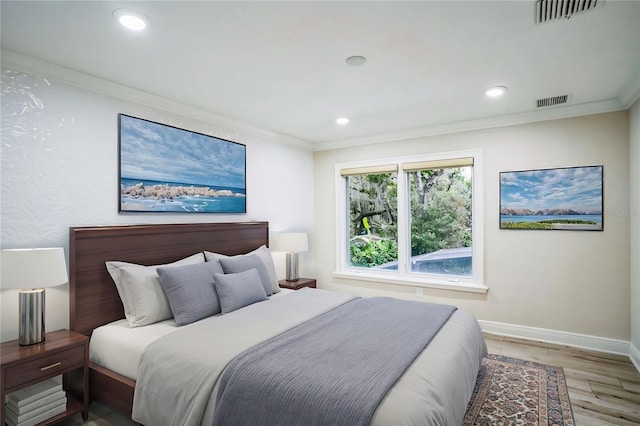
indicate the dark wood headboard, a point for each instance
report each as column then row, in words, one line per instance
column 93, row 298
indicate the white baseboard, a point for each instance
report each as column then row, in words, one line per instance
column 583, row 341
column 634, row 354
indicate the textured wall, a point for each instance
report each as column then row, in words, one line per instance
column 59, row 159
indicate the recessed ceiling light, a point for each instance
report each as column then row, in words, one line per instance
column 496, row 91
column 342, row 121
column 132, row 20
column 356, row 60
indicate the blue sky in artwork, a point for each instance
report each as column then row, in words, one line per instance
column 151, row 151
column 577, row 188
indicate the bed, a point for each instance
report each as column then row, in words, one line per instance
column 434, row 389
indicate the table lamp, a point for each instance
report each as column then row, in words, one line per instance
column 292, row 243
column 30, row 270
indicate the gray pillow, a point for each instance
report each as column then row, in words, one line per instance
column 238, row 290
column 235, row 264
column 264, row 254
column 190, row 290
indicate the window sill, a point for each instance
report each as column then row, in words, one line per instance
column 412, row 281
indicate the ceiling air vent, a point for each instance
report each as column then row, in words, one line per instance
column 551, row 10
column 556, row 100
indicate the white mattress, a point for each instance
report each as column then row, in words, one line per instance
column 117, row 347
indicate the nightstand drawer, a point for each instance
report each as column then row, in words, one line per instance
column 47, row 366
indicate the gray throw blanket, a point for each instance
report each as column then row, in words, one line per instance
column 332, row 370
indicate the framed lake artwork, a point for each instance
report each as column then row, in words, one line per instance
column 569, row 198
column 171, row 170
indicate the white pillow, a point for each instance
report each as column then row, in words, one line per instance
column 140, row 290
column 264, row 254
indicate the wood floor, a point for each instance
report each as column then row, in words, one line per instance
column 604, row 389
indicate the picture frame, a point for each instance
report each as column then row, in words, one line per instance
column 567, row 198
column 166, row 169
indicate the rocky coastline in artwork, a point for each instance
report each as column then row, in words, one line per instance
column 169, row 192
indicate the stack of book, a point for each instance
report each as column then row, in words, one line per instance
column 35, row 404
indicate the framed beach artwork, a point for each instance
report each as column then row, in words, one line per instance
column 171, row 170
column 569, row 198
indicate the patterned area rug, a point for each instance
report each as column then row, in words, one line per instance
column 512, row 391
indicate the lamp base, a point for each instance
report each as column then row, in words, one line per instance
column 31, row 313
column 292, row 267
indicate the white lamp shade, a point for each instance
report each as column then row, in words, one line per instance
column 292, row 242
column 33, row 268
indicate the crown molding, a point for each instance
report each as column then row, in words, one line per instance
column 631, row 96
column 632, row 92
column 53, row 72
column 85, row 81
column 547, row 114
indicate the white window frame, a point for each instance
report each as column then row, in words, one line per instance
column 404, row 276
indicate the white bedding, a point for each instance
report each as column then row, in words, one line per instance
column 176, row 382
column 118, row 347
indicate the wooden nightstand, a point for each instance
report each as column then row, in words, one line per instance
column 296, row 285
column 62, row 352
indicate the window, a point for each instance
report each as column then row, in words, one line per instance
column 373, row 216
column 440, row 205
column 412, row 220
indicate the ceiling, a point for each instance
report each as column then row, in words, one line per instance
column 280, row 66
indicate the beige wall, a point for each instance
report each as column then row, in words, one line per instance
column 574, row 281
column 634, row 138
